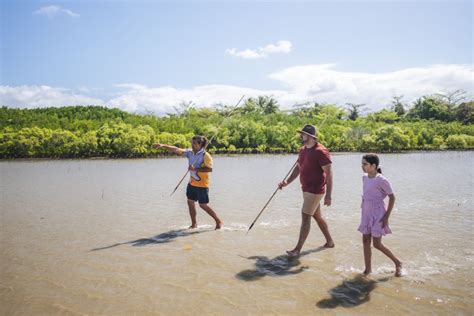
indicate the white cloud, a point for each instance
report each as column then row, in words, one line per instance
column 162, row 100
column 315, row 83
column 53, row 10
column 324, row 83
column 261, row 52
column 42, row 96
column 134, row 86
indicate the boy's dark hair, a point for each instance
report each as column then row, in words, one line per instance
column 200, row 140
column 373, row 159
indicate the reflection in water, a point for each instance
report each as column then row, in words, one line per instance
column 350, row 293
column 278, row 266
column 158, row 239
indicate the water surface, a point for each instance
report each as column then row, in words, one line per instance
column 105, row 237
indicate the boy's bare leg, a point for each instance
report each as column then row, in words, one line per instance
column 213, row 214
column 398, row 264
column 366, row 241
column 192, row 213
column 324, row 228
column 304, row 232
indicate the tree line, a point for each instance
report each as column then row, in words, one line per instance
column 433, row 122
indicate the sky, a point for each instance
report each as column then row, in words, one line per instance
column 150, row 56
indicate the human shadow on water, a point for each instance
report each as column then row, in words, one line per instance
column 158, row 239
column 278, row 266
column 350, row 293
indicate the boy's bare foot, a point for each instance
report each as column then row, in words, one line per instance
column 398, row 269
column 219, row 225
column 329, row 244
column 193, row 226
column 293, row 253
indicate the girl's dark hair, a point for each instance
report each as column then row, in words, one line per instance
column 373, row 159
column 201, row 140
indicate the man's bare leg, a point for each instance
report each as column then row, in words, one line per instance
column 324, row 228
column 213, row 214
column 304, row 231
column 192, row 213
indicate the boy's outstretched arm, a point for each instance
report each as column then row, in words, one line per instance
column 169, row 148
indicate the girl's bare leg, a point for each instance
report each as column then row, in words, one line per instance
column 398, row 264
column 366, row 241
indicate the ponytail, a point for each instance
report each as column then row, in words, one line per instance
column 379, row 170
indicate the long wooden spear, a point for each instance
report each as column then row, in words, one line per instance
column 227, row 116
column 266, row 204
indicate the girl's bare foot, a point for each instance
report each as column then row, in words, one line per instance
column 192, row 226
column 293, row 253
column 367, row 272
column 398, row 269
column 219, row 225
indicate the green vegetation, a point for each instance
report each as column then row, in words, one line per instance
column 258, row 126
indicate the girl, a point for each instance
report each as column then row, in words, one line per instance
column 200, row 165
column 374, row 219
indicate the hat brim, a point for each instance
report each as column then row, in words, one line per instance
column 306, row 133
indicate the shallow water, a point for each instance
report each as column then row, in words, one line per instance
column 105, row 237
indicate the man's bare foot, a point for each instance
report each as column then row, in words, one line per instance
column 193, row 226
column 293, row 253
column 329, row 244
column 219, row 225
column 398, row 269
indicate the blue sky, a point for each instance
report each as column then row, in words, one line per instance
column 152, row 55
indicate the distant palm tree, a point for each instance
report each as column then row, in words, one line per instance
column 267, row 105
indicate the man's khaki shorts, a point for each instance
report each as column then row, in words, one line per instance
column 311, row 203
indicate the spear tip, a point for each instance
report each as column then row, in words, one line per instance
column 250, row 228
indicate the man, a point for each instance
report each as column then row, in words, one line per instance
column 314, row 169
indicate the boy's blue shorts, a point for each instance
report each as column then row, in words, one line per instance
column 198, row 194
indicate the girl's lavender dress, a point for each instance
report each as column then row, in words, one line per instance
column 373, row 208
